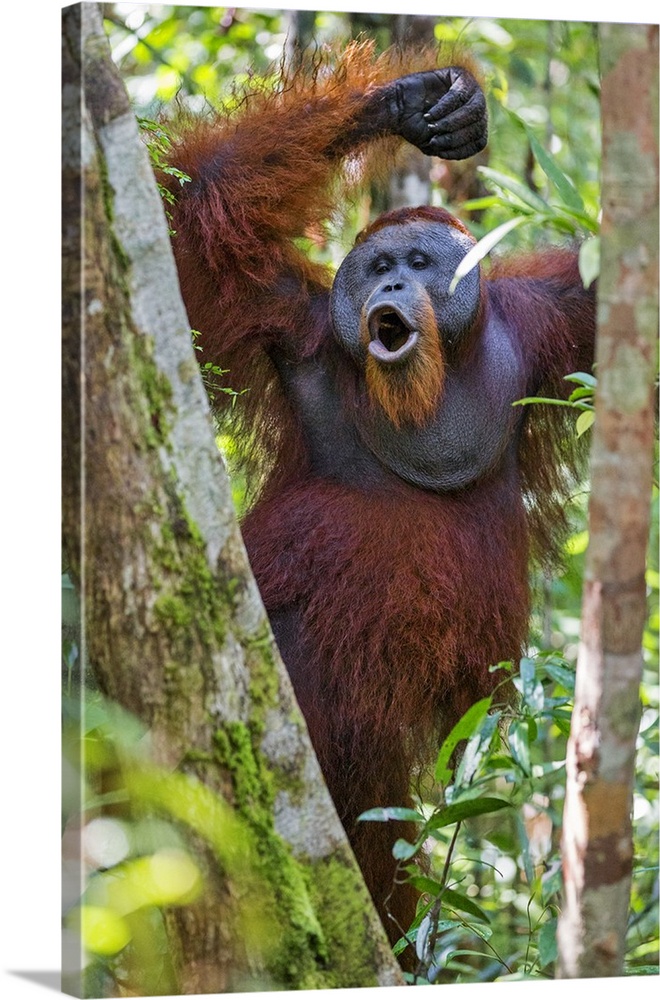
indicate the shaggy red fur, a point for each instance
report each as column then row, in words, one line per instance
column 404, row 597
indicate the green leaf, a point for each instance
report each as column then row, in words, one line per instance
column 551, row 882
column 575, row 545
column 476, row 749
column 477, row 204
column 589, row 260
column 561, row 674
column 541, row 399
column 425, row 884
column 519, row 744
column 582, row 392
column 571, row 198
column 464, row 809
column 548, row 942
column 554, row 172
column 403, row 850
column 103, row 931
column 526, row 195
column 466, row 951
column 584, row 220
column 463, row 730
column 548, row 401
column 484, row 931
column 532, row 689
column 582, row 378
column 584, row 422
column 382, row 814
column 445, row 925
column 400, row 946
column 460, row 902
column 483, row 247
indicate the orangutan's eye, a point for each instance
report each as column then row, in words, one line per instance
column 382, row 265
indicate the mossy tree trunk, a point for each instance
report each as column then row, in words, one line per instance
column 597, row 832
column 173, row 626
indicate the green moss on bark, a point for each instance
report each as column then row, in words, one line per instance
column 302, row 954
column 192, row 609
column 264, row 686
column 173, row 613
column 336, row 890
column 158, row 392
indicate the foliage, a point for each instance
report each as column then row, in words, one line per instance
column 492, row 892
column 158, row 144
column 564, row 211
column 213, row 379
column 144, row 836
column 543, row 79
column 581, row 399
column 211, row 373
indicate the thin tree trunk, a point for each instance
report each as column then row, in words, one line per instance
column 597, row 833
column 173, row 625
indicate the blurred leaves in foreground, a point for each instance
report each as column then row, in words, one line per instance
column 146, row 841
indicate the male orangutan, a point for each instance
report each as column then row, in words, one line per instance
column 400, row 495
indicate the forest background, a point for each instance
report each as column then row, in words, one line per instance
column 33, row 789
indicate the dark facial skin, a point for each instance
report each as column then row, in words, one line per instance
column 387, row 280
column 392, row 274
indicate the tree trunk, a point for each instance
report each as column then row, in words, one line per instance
column 597, row 833
column 173, row 625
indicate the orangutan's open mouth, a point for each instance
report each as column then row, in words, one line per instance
column 392, row 337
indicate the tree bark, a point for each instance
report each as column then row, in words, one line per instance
column 597, row 832
column 173, row 625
